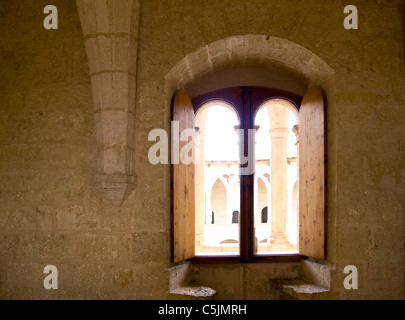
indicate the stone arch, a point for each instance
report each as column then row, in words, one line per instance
column 262, row 198
column 219, row 198
column 248, row 51
column 215, row 179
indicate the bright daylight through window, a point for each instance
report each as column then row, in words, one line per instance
column 218, row 188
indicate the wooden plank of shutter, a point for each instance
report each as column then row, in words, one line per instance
column 183, row 185
column 312, row 168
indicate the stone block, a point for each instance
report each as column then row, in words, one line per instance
column 132, row 8
column 227, row 281
column 116, row 160
column 78, row 218
column 179, row 73
column 149, row 247
column 9, row 246
column 3, row 277
column 46, row 246
column 114, row 90
column 202, row 58
column 236, row 18
column 96, row 247
column 29, row 275
column 148, row 212
column 152, row 281
column 114, row 128
column 111, row 53
column 114, row 220
column 42, row 187
column 213, row 25
column 90, row 276
column 384, row 170
column 32, row 218
column 119, row 278
column 350, row 170
column 353, row 242
column 387, row 242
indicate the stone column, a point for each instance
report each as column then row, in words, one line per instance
column 200, row 187
column 110, row 29
column 278, row 133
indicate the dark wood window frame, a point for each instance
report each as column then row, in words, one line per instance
column 246, row 102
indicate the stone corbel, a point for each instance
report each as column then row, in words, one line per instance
column 110, row 29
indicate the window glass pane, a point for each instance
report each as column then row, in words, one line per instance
column 276, row 179
column 217, row 181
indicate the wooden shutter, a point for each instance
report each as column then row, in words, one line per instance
column 183, row 184
column 312, row 168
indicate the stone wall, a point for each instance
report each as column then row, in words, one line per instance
column 51, row 211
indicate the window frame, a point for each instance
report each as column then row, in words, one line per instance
column 246, row 101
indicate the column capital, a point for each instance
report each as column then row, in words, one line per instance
column 279, row 133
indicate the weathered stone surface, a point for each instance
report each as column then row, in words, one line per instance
column 196, row 292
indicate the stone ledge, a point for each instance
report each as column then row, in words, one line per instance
column 196, row 292
column 301, row 290
column 183, row 287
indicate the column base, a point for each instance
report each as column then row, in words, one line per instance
column 279, row 242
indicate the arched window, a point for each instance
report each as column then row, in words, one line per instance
column 235, row 217
column 265, row 216
column 219, row 202
column 259, row 130
column 218, row 151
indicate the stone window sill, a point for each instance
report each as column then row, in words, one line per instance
column 195, row 292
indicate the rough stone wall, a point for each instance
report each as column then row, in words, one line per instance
column 51, row 213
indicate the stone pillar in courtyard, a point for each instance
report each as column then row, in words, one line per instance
column 199, row 179
column 279, row 132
